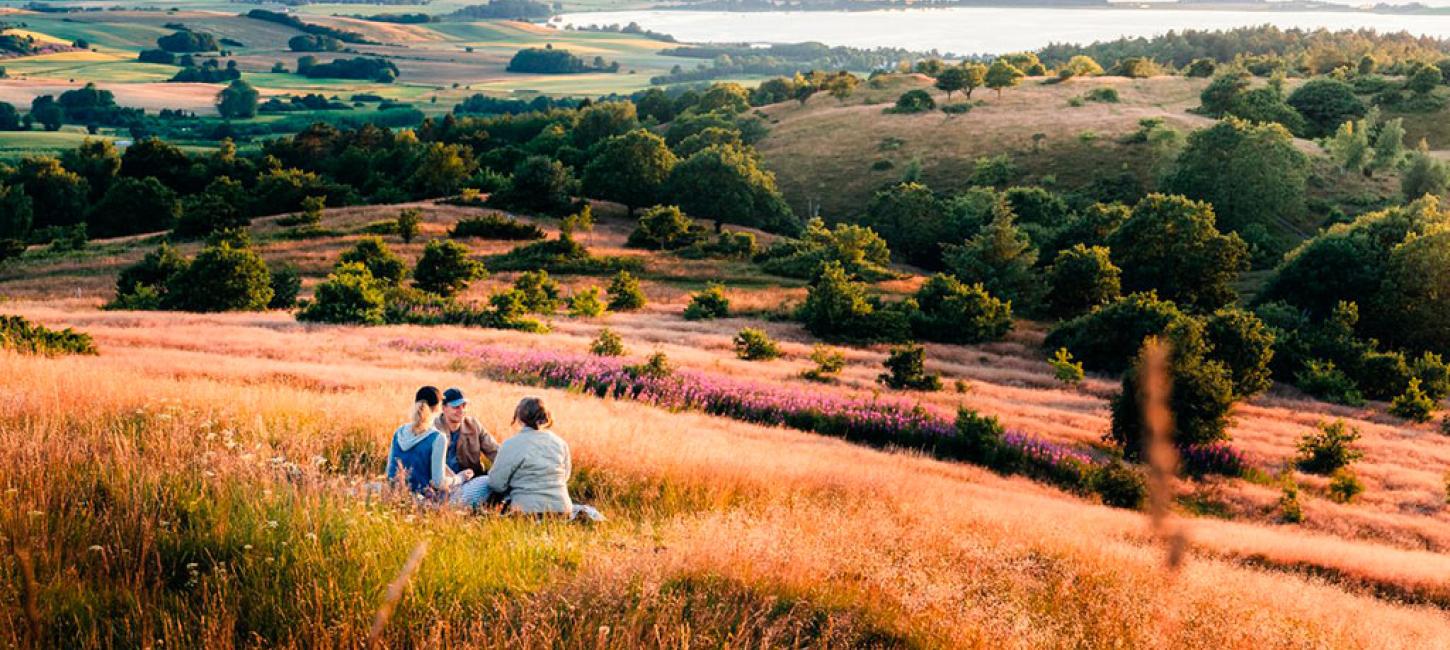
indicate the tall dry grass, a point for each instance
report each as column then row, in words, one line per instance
column 199, row 484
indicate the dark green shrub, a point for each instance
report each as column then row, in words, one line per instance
column 222, row 277
column 540, row 293
column 1381, row 375
column 1434, row 375
column 409, row 220
column 286, row 284
column 562, row 256
column 1325, row 381
column 1414, row 404
column 837, row 308
column 1290, row 512
column 859, row 250
column 155, row 271
column 1329, row 448
column 665, row 228
column 1065, row 369
column 906, row 370
column 1080, row 279
column 508, row 310
column 494, row 226
column 1200, row 399
column 979, row 437
column 755, row 345
column 1245, row 345
column 952, row 312
column 1102, row 95
column 380, row 261
column 25, row 337
column 1107, row 339
column 446, row 268
column 708, row 304
column 1344, row 486
column 913, row 101
column 1118, row 484
column 349, row 295
column 607, row 344
column 625, row 293
column 587, row 303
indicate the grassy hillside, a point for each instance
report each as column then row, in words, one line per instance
column 835, row 154
column 214, row 482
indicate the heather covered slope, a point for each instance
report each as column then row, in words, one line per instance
column 211, row 481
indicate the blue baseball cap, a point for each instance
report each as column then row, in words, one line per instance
column 454, row 397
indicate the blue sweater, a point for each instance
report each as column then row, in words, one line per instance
column 421, row 456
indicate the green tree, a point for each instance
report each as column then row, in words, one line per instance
column 1415, row 296
column 602, row 121
column 1325, row 104
column 1002, row 75
column 1001, row 258
column 909, row 217
column 134, row 206
column 58, row 196
column 1080, row 279
column 237, row 101
column 951, row 80
column 1221, row 94
column 95, row 160
column 665, row 228
column 1424, row 175
column 1389, row 145
column 350, row 295
column 906, row 370
column 625, row 293
column 409, row 220
column 1243, row 344
column 16, row 214
column 1200, row 399
column 631, row 169
column 1424, row 80
column 222, row 277
column 441, row 169
column 446, row 268
column 730, row 98
column 380, row 261
column 1080, row 65
column 708, row 304
column 953, row 312
column 976, row 76
column 727, row 185
column 218, row 208
column 1250, row 174
column 1350, row 146
column 1108, row 337
column 539, row 184
column 1170, row 244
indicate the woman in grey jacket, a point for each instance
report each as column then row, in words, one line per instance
column 532, row 468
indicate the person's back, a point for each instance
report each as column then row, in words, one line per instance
column 412, row 454
column 532, row 469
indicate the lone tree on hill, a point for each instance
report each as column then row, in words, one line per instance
column 239, row 100
column 1002, row 75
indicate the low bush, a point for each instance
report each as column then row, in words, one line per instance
column 494, row 226
column 1329, row 448
column 562, row 256
column 906, row 370
column 408, row 223
column 1108, row 338
column 540, row 293
column 708, row 304
column 349, row 295
column 949, row 311
column 625, row 293
column 957, row 109
column 1119, row 485
column 755, row 345
column 1413, row 404
column 1065, row 369
column 913, row 101
column 222, row 277
column 587, row 303
column 1290, row 512
column 829, row 363
column 1344, row 486
column 380, row 261
column 446, row 268
column 1102, row 95
column 286, row 284
column 1323, row 380
column 20, row 335
column 666, row 228
column 607, row 344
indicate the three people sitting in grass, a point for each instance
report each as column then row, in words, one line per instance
column 439, row 454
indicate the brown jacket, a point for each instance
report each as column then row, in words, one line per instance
column 471, row 443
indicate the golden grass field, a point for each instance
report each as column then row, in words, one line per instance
column 198, row 484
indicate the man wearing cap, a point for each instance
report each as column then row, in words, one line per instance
column 468, row 442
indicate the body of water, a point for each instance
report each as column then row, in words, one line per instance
column 981, row 30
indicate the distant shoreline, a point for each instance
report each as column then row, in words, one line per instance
column 765, row 6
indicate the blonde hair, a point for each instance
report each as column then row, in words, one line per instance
column 422, row 416
column 425, row 410
column 532, row 413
